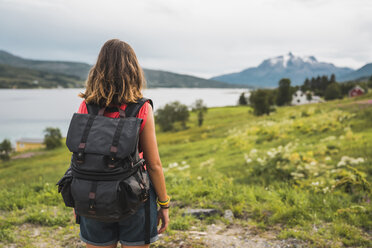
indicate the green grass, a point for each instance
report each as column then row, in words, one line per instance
column 306, row 169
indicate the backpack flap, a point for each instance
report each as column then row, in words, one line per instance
column 93, row 134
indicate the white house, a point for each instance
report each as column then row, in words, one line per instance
column 300, row 98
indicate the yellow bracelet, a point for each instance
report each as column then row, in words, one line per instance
column 163, row 203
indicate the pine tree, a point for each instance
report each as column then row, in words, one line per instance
column 284, row 92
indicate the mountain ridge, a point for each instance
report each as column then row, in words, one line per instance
column 154, row 78
column 271, row 70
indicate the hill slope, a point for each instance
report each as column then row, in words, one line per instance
column 18, row 78
column 270, row 71
column 301, row 172
column 155, row 78
column 62, row 67
column 363, row 72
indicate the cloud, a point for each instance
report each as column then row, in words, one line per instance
column 205, row 38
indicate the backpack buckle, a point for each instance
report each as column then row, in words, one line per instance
column 80, row 157
column 80, row 153
column 111, row 163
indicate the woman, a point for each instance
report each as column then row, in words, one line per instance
column 117, row 79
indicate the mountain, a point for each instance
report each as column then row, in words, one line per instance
column 15, row 77
column 364, row 72
column 270, row 71
column 67, row 74
column 69, row 68
column 157, row 78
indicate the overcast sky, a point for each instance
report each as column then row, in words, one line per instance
column 199, row 37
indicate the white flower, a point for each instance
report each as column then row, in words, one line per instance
column 253, row 151
column 328, row 158
column 247, row 159
column 260, row 160
column 315, row 183
column 184, row 167
column 172, row 165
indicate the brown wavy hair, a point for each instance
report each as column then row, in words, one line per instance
column 116, row 78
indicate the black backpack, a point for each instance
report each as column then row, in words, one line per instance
column 106, row 180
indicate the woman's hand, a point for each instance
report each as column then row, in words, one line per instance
column 163, row 215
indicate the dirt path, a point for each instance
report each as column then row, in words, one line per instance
column 215, row 236
column 26, row 155
column 222, row 236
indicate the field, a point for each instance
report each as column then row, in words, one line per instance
column 301, row 173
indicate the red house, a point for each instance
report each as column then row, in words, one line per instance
column 356, row 91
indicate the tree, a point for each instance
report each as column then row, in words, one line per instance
column 52, row 137
column 370, row 82
column 284, row 92
column 200, row 109
column 309, row 96
column 5, row 149
column 259, row 100
column 332, row 92
column 333, row 79
column 171, row 113
column 242, row 99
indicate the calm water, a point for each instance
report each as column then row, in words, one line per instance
column 25, row 113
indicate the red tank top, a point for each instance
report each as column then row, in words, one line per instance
column 141, row 114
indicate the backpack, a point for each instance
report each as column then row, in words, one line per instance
column 106, row 180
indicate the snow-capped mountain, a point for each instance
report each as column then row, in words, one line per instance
column 270, row 71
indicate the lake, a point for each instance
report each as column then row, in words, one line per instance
column 26, row 113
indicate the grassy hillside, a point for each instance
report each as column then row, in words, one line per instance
column 18, row 78
column 303, row 172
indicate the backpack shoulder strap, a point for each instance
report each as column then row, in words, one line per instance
column 93, row 109
column 133, row 108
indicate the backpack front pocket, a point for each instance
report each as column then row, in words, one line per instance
column 97, row 199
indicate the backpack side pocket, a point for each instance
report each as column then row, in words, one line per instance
column 136, row 188
column 64, row 187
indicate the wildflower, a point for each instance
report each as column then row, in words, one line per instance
column 172, row 165
column 325, row 190
column 184, row 167
column 310, row 154
column 247, row 159
column 261, row 161
column 297, row 175
column 253, row 151
column 209, row 162
column 294, row 157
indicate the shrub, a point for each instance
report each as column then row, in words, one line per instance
column 242, row 99
column 200, row 109
column 260, row 102
column 332, row 92
column 171, row 113
column 5, row 149
column 284, row 92
column 52, row 138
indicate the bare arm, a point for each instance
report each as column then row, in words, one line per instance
column 151, row 155
column 154, row 166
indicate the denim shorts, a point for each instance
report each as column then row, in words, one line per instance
column 129, row 232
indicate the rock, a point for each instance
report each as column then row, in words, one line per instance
column 228, row 215
column 201, row 212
